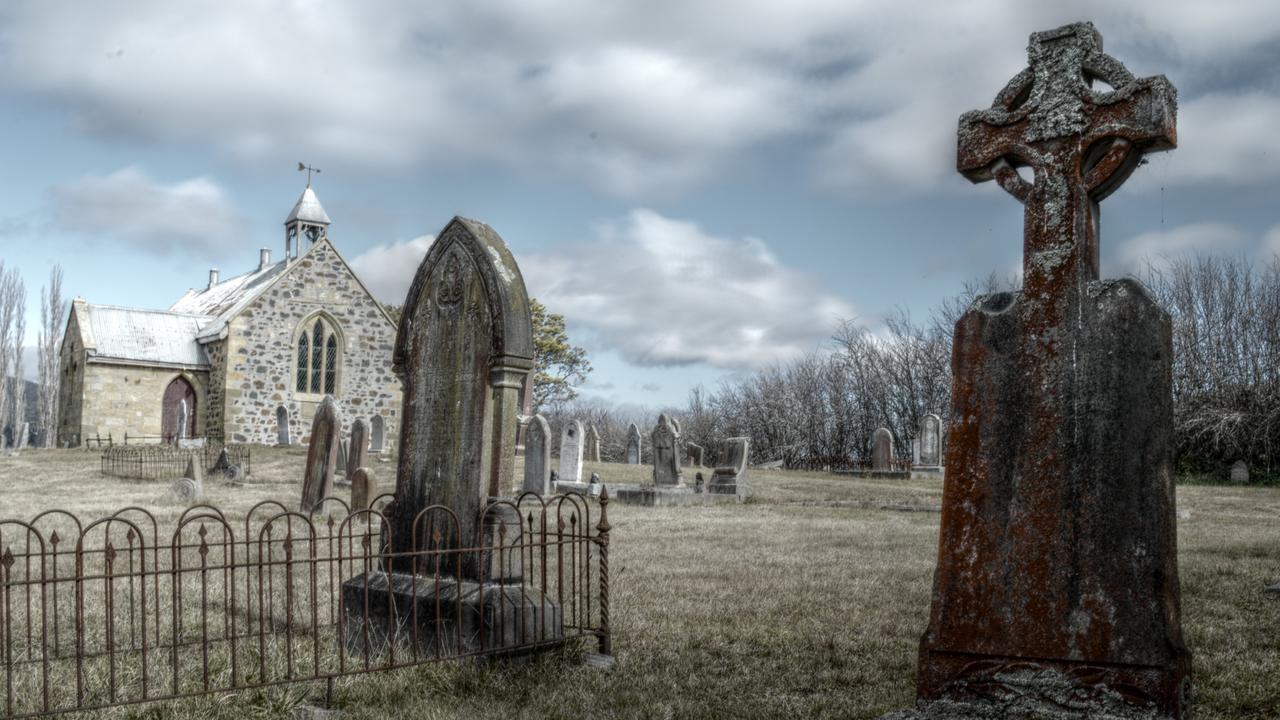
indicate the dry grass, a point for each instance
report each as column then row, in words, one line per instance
column 807, row 602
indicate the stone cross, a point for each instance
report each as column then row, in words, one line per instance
column 882, row 450
column 633, row 445
column 666, row 453
column 358, row 447
column 322, row 456
column 463, row 349
column 571, row 446
column 537, row 456
column 1057, row 577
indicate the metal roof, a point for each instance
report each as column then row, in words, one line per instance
column 150, row 336
column 308, row 209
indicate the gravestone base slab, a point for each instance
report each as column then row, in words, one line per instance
column 473, row 617
column 665, row 496
column 876, row 474
column 724, row 481
column 926, row 471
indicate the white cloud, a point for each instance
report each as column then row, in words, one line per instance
column 1156, row 249
column 1270, row 247
column 387, row 270
column 618, row 96
column 191, row 216
column 663, row 292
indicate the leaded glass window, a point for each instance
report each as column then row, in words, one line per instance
column 318, row 359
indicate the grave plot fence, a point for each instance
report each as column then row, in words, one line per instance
column 118, row 611
column 166, row 462
column 847, row 465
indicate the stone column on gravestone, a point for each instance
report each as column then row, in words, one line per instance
column 571, row 441
column 633, row 445
column 1056, row 590
column 322, row 457
column 358, row 447
column 666, row 453
column 882, row 450
column 537, row 457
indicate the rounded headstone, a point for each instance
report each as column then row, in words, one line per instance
column 184, row 491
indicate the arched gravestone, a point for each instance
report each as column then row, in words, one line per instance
column 633, row 445
column 357, row 448
column 730, row 477
column 537, row 456
column 930, row 441
column 666, row 453
column 282, row 426
column 1056, row 591
column 882, row 450
column 364, row 488
column 571, row 447
column 377, row 429
column 322, row 456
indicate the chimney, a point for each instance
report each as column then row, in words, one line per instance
column 264, row 258
column 213, row 277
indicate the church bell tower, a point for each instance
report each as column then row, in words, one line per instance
column 307, row 220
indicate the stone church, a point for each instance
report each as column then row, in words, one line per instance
column 245, row 359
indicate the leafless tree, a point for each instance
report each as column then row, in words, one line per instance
column 52, row 310
column 11, row 302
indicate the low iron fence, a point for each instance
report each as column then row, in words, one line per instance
column 166, row 462
column 846, row 465
column 113, row 613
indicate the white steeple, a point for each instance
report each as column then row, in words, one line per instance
column 307, row 219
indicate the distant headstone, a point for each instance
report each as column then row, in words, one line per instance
column 555, row 478
column 882, row 450
column 571, row 452
column 666, row 454
column 930, row 441
column 358, row 447
column 593, row 444
column 537, row 457
column 693, row 455
column 699, row 484
column 23, row 434
column 282, row 426
column 1240, row 472
column 364, row 488
column 322, row 457
column 1056, row 590
column 594, row 487
column 633, row 445
column 184, row 491
column 730, row 476
column 222, row 465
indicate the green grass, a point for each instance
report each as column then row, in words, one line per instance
column 808, row 602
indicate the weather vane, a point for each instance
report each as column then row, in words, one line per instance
column 309, row 170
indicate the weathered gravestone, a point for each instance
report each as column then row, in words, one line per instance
column 571, row 452
column 882, row 450
column 189, row 488
column 1240, row 472
column 322, row 457
column 464, row 346
column 730, row 476
column 594, row 486
column 23, row 433
column 930, row 442
column 357, row 447
column 1056, row 591
column 340, row 472
column 364, row 488
column 633, row 445
column 666, row 453
column 282, row 426
column 699, row 484
column 537, row 456
column 593, row 444
column 693, row 455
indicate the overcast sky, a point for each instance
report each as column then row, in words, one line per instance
column 701, row 188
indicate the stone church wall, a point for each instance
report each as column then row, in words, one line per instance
column 261, row 354
column 119, row 399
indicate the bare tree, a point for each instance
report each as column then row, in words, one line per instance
column 52, row 310
column 19, row 412
column 10, row 291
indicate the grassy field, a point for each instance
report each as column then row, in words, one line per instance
column 807, row 601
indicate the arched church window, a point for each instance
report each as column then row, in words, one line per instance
column 318, row 358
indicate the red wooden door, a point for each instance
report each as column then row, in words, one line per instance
column 177, row 395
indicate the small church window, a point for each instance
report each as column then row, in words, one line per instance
column 318, row 359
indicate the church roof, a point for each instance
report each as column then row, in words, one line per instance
column 308, row 209
column 110, row 332
column 226, row 299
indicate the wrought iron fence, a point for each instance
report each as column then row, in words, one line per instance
column 846, row 465
column 112, row 613
column 165, row 462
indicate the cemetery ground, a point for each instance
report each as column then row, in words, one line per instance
column 806, row 601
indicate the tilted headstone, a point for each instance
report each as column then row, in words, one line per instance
column 633, row 445
column 730, row 476
column 571, row 441
column 1056, row 591
column 322, row 457
column 357, row 447
column 537, row 457
column 1240, row 472
column 364, row 488
column 23, row 434
column 666, row 453
column 464, row 346
column 930, row 441
column 882, row 450
column 693, row 455
column 593, row 444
